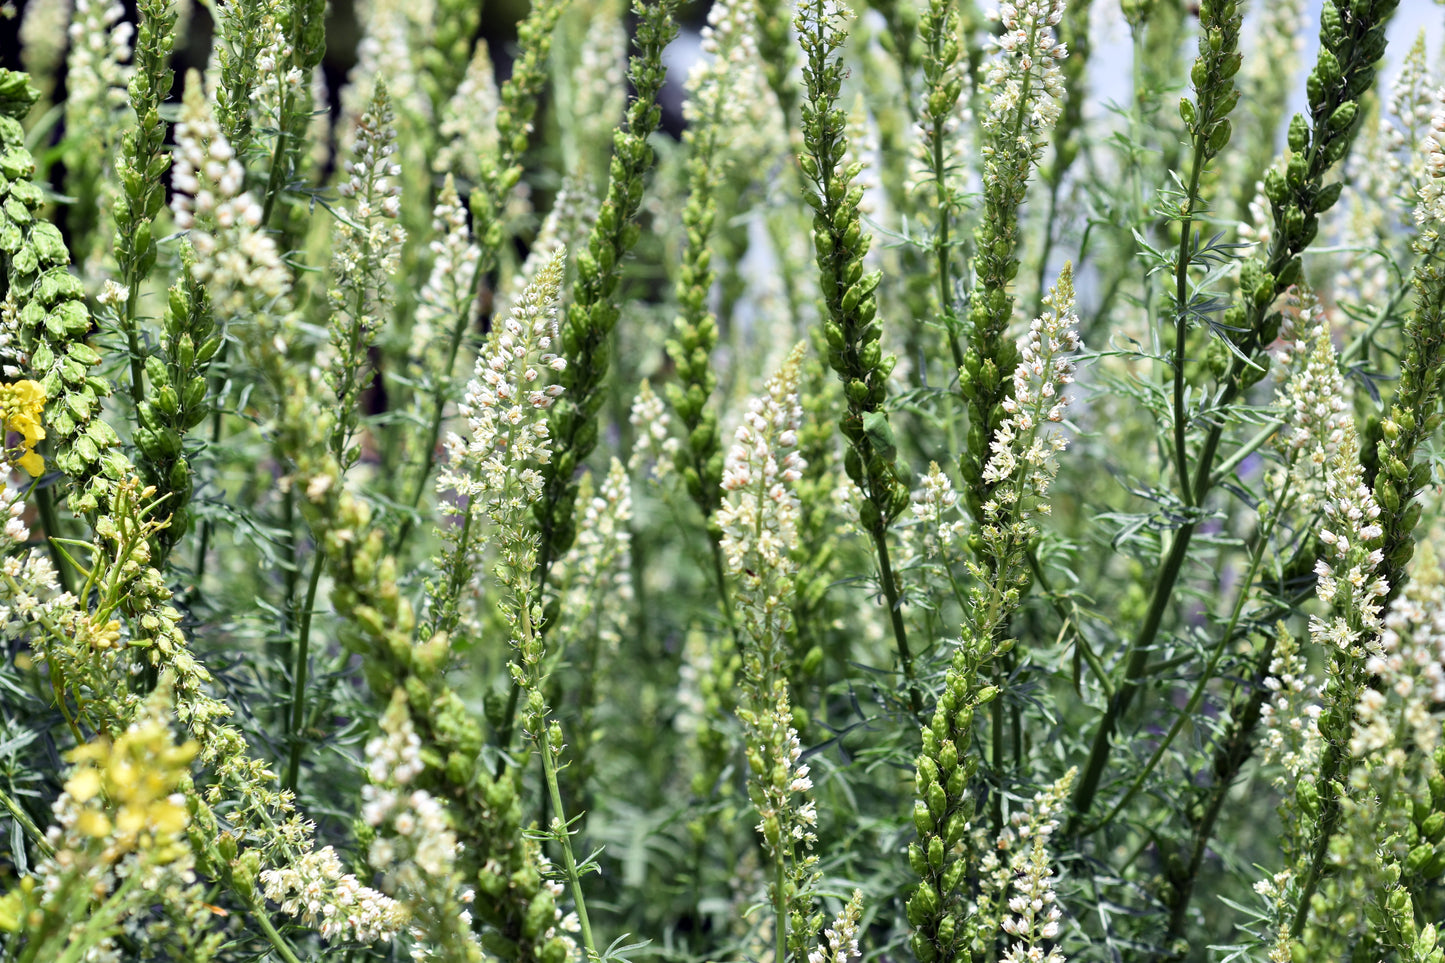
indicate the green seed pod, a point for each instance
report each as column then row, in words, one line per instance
column 916, row 860
column 1433, row 828
column 1299, row 134
column 922, row 818
column 935, row 854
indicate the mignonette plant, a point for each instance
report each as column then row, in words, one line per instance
column 917, row 482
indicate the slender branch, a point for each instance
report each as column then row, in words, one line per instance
column 298, row 678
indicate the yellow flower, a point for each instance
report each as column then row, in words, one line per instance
column 22, row 405
column 32, row 463
column 126, row 790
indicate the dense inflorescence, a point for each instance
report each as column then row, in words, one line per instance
column 815, row 481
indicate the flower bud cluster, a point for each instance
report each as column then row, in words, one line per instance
column 1376, row 203
column 124, row 794
column 1352, row 37
column 415, row 848
column 447, row 294
column 936, row 508
column 599, row 85
column 1023, row 85
column 1022, row 461
column 141, row 160
column 506, row 403
column 366, row 249
column 500, row 171
column 372, row 187
column 842, row 936
column 1430, row 212
column 594, row 311
column 719, row 81
column 1027, row 43
column 468, row 128
column 318, row 891
column 773, row 751
column 940, row 150
column 758, row 517
column 565, row 227
column 943, row 810
column 1280, row 893
column 1403, row 707
column 241, row 31
column 654, row 446
column 44, row 310
column 1411, row 102
column 279, row 81
column 759, row 512
column 1346, row 572
column 599, row 586
column 43, row 33
column 235, row 258
column 852, row 327
column 1290, row 715
column 33, row 605
column 1035, row 914
column 96, row 75
column 1415, row 414
column 119, row 838
column 719, row 87
column 1314, row 399
column 780, row 789
column 382, row 56
column 497, row 468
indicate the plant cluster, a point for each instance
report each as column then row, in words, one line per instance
column 897, row 504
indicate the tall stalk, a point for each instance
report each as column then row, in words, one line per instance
column 499, row 176
column 853, row 328
column 1350, row 48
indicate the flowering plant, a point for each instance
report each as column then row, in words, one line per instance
column 856, row 497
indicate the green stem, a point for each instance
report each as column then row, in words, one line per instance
column 101, row 919
column 292, row 574
column 997, row 750
column 543, row 739
column 564, row 839
column 504, row 731
column 273, row 936
column 1068, row 618
column 459, row 574
column 1229, row 758
column 132, row 337
column 273, row 177
column 780, row 908
column 940, row 240
column 1329, row 821
column 298, row 683
column 1181, row 319
column 203, row 543
column 1258, row 441
column 441, row 391
column 1136, row 660
column 19, row 814
column 1137, row 655
column 1206, row 676
column 720, row 576
column 1055, row 179
column 895, row 613
column 45, row 505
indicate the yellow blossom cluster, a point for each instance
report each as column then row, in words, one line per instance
column 126, row 789
column 22, row 404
